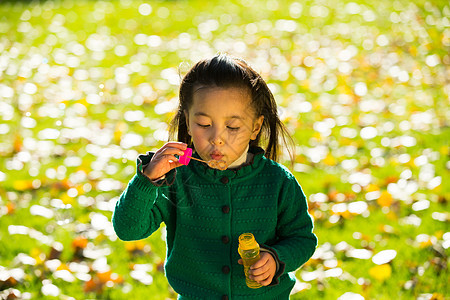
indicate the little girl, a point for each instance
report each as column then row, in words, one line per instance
column 226, row 111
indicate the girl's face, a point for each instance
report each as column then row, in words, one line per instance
column 222, row 122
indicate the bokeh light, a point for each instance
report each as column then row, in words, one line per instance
column 85, row 86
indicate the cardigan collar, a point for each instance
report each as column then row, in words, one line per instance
column 256, row 162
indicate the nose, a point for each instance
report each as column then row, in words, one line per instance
column 217, row 139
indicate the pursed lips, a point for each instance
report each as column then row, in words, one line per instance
column 216, row 155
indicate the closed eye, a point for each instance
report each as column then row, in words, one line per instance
column 203, row 125
column 233, row 128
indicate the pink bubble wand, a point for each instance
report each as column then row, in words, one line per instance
column 215, row 164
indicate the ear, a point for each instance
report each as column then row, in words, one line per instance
column 186, row 116
column 257, row 125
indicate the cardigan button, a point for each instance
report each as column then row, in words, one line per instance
column 225, row 209
column 224, row 297
column 225, row 269
column 224, row 180
column 225, row 239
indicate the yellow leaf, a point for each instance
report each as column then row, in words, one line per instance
column 381, row 272
column 329, row 160
column 84, row 102
column 66, row 199
column 121, row 127
column 23, row 185
column 392, row 216
column 37, row 254
column 437, row 296
column 439, row 234
column 426, row 243
column 63, row 266
column 346, row 214
column 317, row 136
column 373, row 188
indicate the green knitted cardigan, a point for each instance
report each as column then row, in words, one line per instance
column 205, row 211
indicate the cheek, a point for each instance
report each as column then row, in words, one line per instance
column 239, row 138
column 198, row 135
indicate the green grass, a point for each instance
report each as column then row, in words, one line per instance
column 316, row 51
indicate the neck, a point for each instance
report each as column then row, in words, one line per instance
column 242, row 159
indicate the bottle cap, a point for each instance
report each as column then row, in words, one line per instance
column 247, row 241
column 185, row 158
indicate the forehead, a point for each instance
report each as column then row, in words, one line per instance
column 218, row 99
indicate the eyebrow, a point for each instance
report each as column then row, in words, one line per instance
column 230, row 117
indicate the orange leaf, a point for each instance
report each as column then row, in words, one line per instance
column 92, row 286
column 332, row 195
column 104, row 277
column 10, row 208
column 135, row 245
column 116, row 278
column 385, row 199
column 391, row 179
column 17, row 143
column 80, row 242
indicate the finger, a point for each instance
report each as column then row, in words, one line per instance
column 259, row 271
column 261, row 262
column 171, row 158
column 171, row 150
column 267, row 281
column 164, row 158
column 175, row 164
column 181, row 145
column 240, row 262
column 261, row 278
column 178, row 145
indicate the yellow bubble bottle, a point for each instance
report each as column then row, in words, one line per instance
column 249, row 251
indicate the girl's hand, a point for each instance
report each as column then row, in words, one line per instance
column 164, row 160
column 264, row 269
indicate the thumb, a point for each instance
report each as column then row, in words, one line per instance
column 240, row 261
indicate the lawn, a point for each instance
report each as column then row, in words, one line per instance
column 362, row 86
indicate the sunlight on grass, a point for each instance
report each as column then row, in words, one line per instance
column 363, row 87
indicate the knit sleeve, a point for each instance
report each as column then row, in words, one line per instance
column 296, row 241
column 142, row 207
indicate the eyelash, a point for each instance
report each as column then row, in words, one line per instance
column 230, row 128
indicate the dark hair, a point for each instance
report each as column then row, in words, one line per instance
column 225, row 71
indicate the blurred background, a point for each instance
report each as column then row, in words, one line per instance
column 363, row 86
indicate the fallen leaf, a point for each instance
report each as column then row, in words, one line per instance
column 80, row 242
column 381, row 272
column 385, row 199
column 23, row 185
